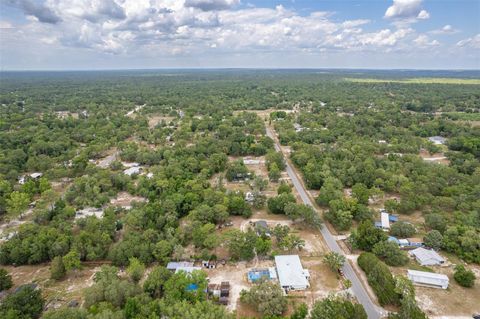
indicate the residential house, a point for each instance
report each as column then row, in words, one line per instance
column 291, row 274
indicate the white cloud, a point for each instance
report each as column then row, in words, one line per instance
column 423, row 15
column 473, row 42
column 406, row 10
column 423, row 41
column 161, row 28
column 38, row 10
column 6, row 25
column 446, row 29
column 210, row 5
column 384, row 37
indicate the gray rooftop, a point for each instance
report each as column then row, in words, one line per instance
column 290, row 271
column 428, row 257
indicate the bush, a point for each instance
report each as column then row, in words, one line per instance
column 367, row 235
column 433, row 239
column 402, row 229
column 277, row 204
column 57, row 269
column 390, row 253
column 26, row 302
column 266, row 297
column 337, row 308
column 5, row 280
column 464, row 277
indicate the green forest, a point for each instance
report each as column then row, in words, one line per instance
column 183, row 144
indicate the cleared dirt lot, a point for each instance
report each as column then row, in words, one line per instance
column 125, row 200
column 153, row 120
column 56, row 293
column 434, row 158
column 236, row 274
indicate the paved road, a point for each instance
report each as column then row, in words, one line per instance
column 372, row 310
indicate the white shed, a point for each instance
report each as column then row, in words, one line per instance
column 291, row 274
column 426, row 257
column 428, row 279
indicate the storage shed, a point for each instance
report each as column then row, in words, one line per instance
column 291, row 274
column 428, row 279
column 427, row 257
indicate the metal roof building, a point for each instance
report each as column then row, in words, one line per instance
column 427, row 257
column 173, row 265
column 291, row 274
column 428, row 279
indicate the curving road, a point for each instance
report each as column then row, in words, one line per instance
column 372, row 310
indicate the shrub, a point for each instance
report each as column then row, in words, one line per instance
column 5, row 280
column 390, row 253
column 464, row 277
column 402, row 229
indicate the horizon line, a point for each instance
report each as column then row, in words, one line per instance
column 236, row 68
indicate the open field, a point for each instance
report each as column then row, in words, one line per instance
column 417, row 81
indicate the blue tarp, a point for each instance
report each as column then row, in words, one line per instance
column 393, row 218
column 192, row 287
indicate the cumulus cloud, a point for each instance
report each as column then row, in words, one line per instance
column 423, row 41
column 210, row 5
column 37, row 10
column 473, row 42
column 410, row 10
column 446, row 29
column 174, row 27
column 384, row 37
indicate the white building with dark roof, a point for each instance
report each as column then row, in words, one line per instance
column 428, row 279
column 291, row 274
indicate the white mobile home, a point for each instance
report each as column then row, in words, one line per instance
column 428, row 279
column 291, row 274
column 385, row 220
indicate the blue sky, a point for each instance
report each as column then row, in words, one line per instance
column 119, row 34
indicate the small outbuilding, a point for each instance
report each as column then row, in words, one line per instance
column 427, row 257
column 428, row 279
column 135, row 170
column 437, row 140
column 261, row 228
